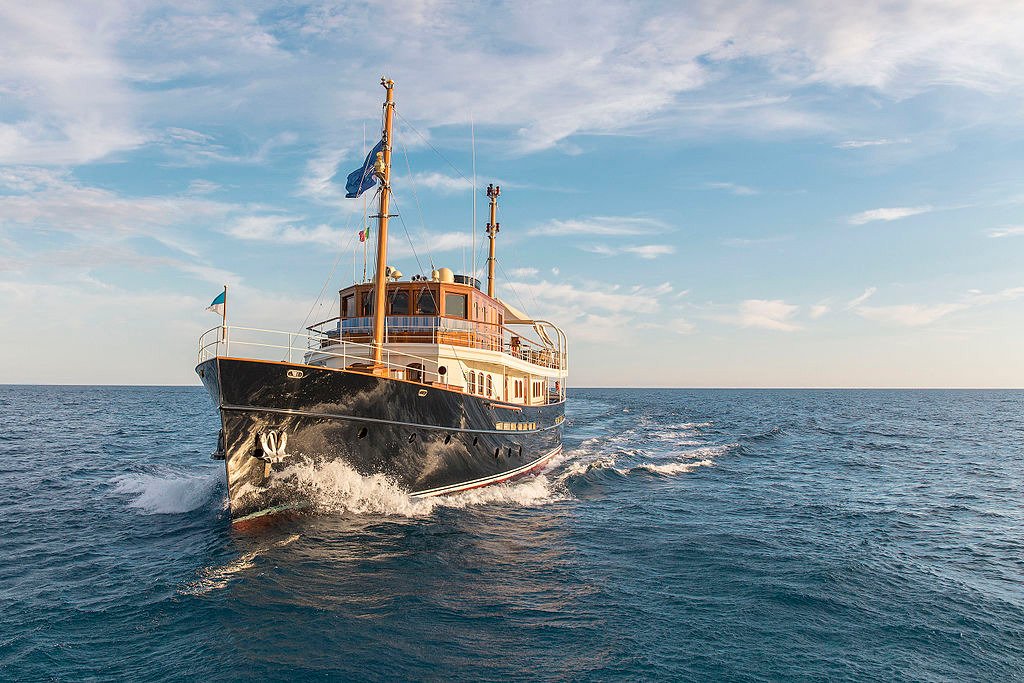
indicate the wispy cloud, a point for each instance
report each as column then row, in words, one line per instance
column 888, row 214
column 644, row 251
column 858, row 144
column 1007, row 231
column 744, row 242
column 601, row 225
column 523, row 272
column 917, row 315
column 768, row 314
column 283, row 230
column 818, row 310
column 192, row 148
column 442, row 183
column 55, row 201
column 593, row 311
column 861, row 298
column 732, row 188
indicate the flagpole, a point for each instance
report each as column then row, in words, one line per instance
column 364, row 212
column 380, row 280
column 224, row 318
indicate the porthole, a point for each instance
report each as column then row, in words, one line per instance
column 447, row 439
column 476, row 440
column 442, row 370
column 510, row 451
column 497, row 452
column 412, row 437
column 361, row 434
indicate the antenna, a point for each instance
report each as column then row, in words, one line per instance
column 493, row 192
column 472, row 137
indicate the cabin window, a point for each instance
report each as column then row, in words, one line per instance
column 399, row 302
column 471, row 382
column 367, row 301
column 425, row 303
column 501, row 318
column 476, row 310
column 536, row 389
column 348, row 306
column 455, row 305
column 490, row 386
column 480, row 385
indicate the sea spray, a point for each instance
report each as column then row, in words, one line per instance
column 335, row 487
column 168, row 492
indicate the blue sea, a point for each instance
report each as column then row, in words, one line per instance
column 684, row 535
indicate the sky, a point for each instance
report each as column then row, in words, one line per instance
column 703, row 194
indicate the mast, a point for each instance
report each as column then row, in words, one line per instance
column 380, row 280
column 492, row 230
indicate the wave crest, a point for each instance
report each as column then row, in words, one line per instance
column 170, row 493
column 336, row 487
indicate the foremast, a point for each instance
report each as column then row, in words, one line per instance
column 383, row 169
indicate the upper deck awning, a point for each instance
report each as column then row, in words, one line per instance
column 513, row 316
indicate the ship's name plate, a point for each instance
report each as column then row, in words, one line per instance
column 516, row 426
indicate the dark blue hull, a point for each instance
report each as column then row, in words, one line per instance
column 428, row 440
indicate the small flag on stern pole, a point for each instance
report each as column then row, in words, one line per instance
column 364, row 234
column 220, row 303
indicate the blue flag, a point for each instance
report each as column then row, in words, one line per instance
column 362, row 179
column 218, row 304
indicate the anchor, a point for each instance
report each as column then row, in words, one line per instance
column 273, row 444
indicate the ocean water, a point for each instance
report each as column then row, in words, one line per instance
column 683, row 535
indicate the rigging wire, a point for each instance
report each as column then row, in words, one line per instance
column 508, row 281
column 472, row 228
column 405, row 227
column 429, row 144
column 333, row 268
column 328, row 280
column 419, row 208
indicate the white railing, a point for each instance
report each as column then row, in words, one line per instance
column 452, row 331
column 296, row 347
column 320, row 347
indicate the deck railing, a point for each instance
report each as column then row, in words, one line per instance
column 296, row 347
column 442, row 330
column 317, row 348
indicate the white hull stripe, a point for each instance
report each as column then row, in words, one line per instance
column 484, row 481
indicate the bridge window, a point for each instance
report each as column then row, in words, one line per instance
column 367, row 301
column 399, row 302
column 455, row 305
column 426, row 304
column 348, row 306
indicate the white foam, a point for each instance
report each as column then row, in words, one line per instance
column 674, row 467
column 336, row 487
column 581, row 467
column 168, row 494
column 709, row 451
column 214, row 578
